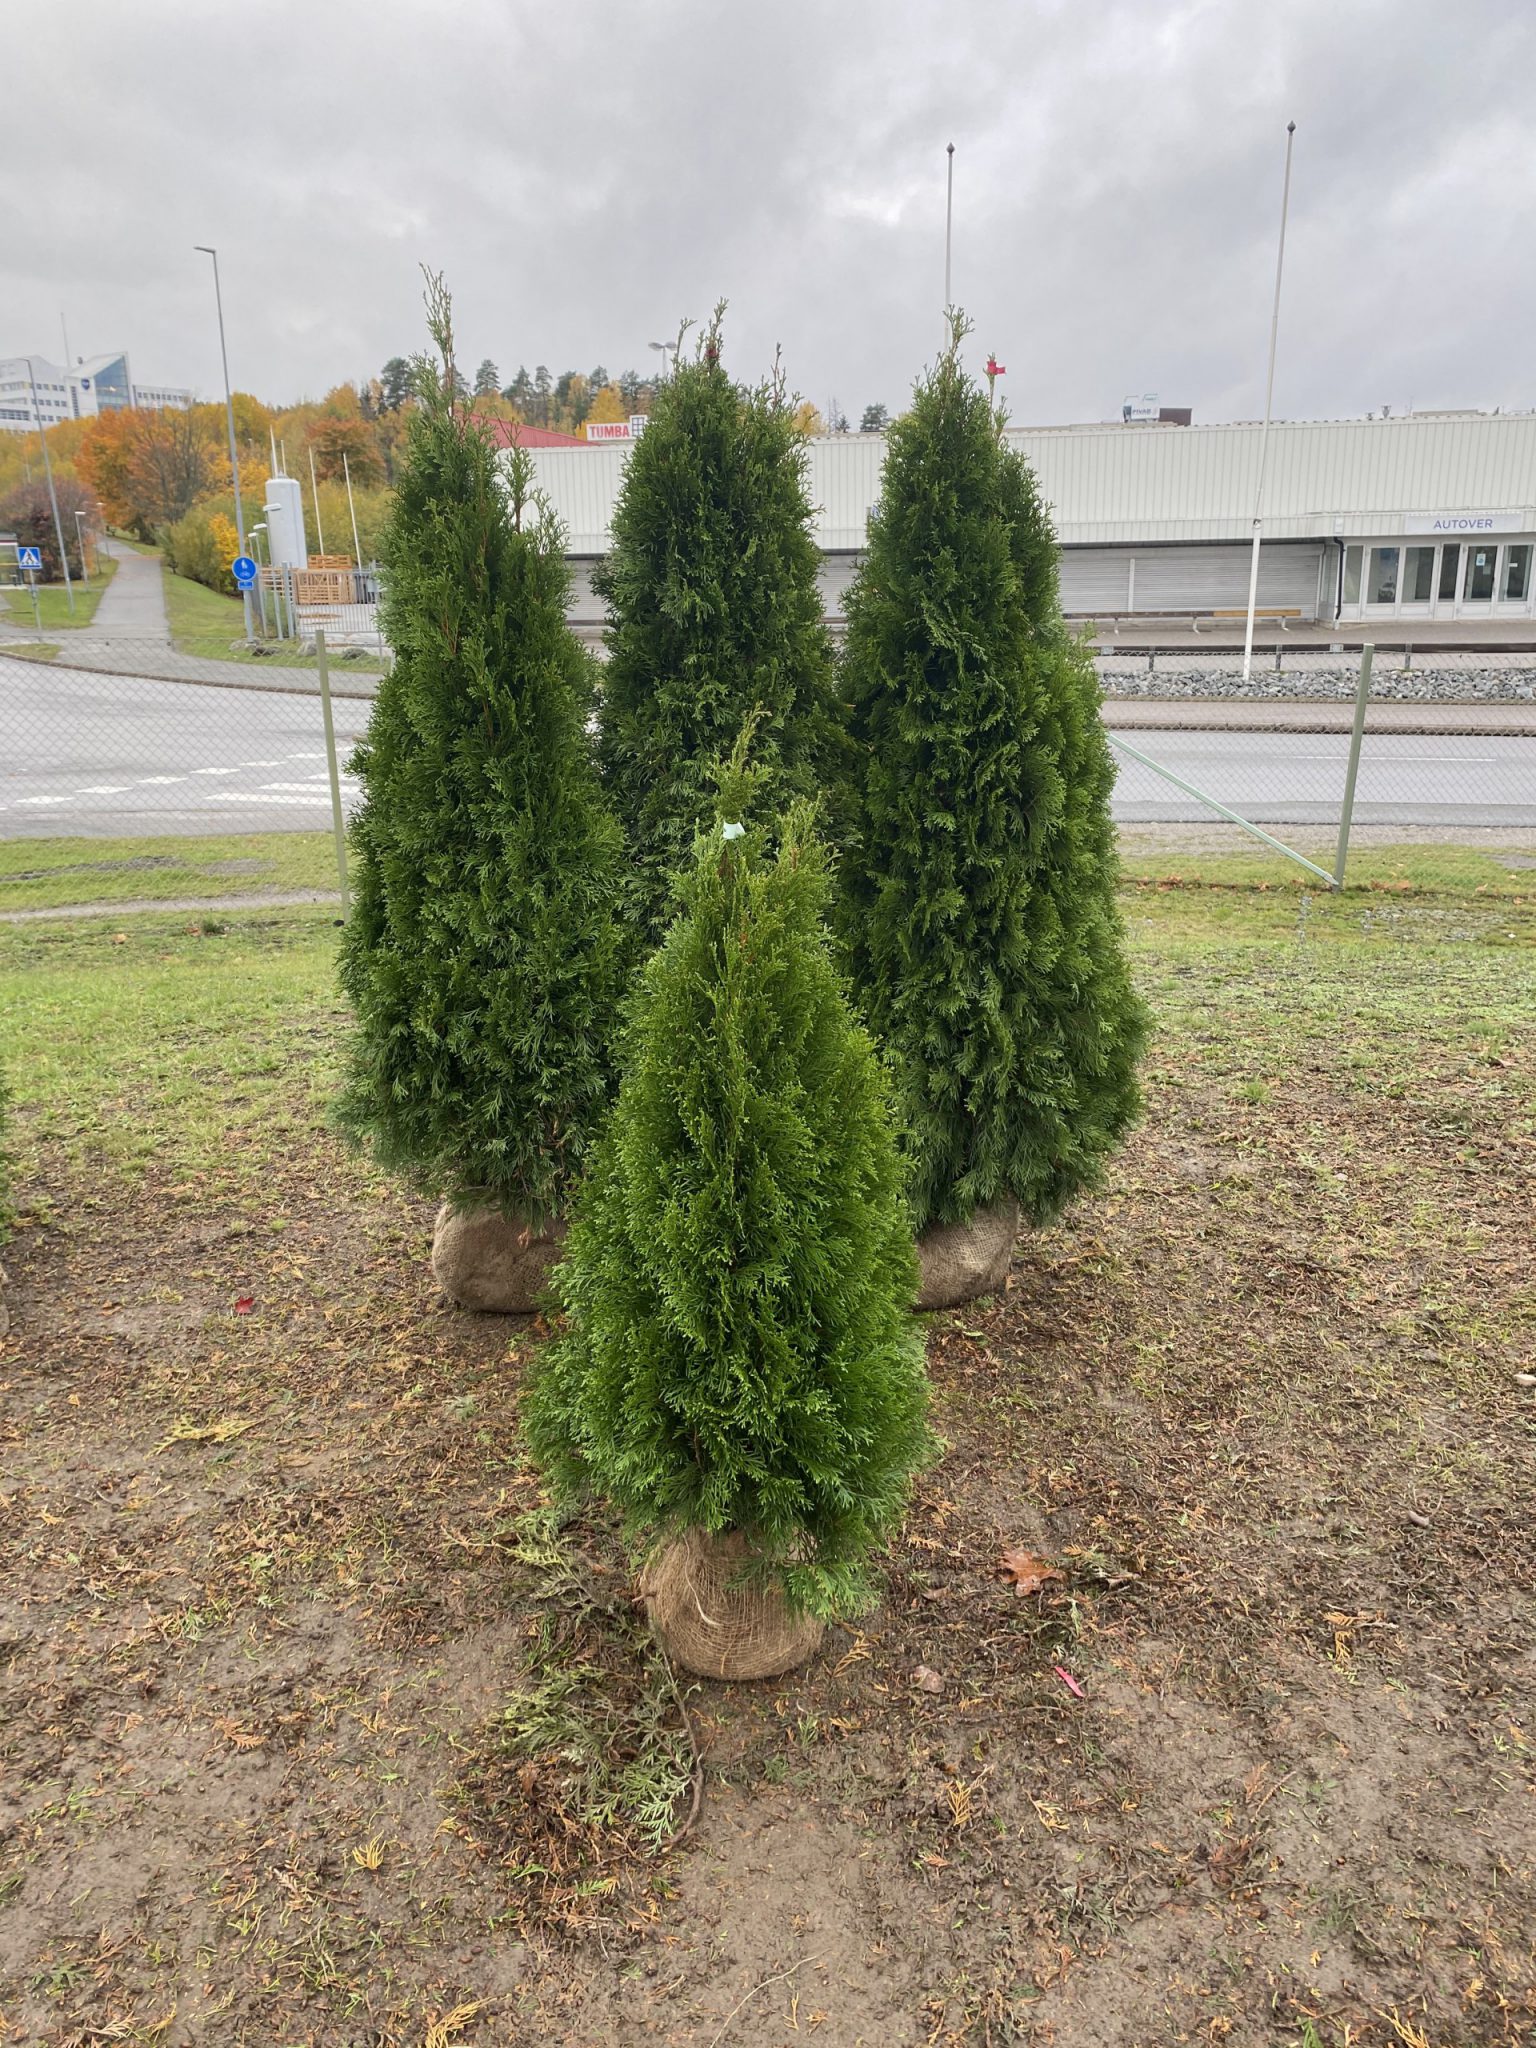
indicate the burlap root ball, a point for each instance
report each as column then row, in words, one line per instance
column 713, row 1623
column 958, row 1261
column 492, row 1262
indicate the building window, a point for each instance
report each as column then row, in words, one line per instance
column 1418, row 575
column 1481, row 563
column 1352, row 575
column 1516, row 587
column 1382, row 588
column 1450, row 571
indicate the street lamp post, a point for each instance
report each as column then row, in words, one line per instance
column 668, row 352
column 229, row 409
column 80, row 543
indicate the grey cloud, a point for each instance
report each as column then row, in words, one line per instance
column 586, row 175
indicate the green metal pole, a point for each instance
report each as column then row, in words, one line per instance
column 1346, row 814
column 1200, row 797
column 338, row 821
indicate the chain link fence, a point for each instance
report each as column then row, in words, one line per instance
column 129, row 767
column 1446, row 754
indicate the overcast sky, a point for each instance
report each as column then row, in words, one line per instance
column 587, row 174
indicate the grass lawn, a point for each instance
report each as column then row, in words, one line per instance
column 316, row 1727
column 47, row 874
column 205, row 622
column 53, row 610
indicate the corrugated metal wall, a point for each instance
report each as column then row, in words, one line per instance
column 1116, row 483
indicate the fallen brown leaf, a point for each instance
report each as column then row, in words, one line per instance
column 1027, row 1573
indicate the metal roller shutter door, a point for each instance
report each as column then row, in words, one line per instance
column 1216, row 579
column 1095, row 580
column 1098, row 580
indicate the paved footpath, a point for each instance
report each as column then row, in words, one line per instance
column 132, row 607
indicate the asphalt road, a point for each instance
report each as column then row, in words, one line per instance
column 1292, row 778
column 102, row 756
column 117, row 756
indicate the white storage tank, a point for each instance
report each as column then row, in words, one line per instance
column 285, row 523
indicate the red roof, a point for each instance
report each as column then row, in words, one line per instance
column 504, row 433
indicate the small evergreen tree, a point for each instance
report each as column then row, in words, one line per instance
column 481, row 953
column 979, row 883
column 739, row 1272
column 715, row 614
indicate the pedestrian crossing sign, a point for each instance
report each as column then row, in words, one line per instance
column 29, row 558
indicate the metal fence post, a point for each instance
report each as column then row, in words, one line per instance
column 338, row 821
column 1347, row 811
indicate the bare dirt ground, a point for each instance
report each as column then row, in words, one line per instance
column 1257, row 1766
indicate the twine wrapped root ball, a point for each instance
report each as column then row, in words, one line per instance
column 498, row 1264
column 719, row 1619
column 959, row 1261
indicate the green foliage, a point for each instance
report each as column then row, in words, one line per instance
column 978, row 897
column 197, row 547
column 481, row 953
column 370, row 509
column 28, row 514
column 711, row 584
column 739, row 1273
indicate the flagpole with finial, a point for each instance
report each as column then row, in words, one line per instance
column 949, row 226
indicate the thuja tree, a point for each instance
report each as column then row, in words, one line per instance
column 714, row 613
column 979, row 881
column 740, row 1356
column 481, row 950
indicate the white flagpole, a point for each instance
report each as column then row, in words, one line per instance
column 1269, row 394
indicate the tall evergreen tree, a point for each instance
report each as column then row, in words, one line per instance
column 739, row 1272
column 480, row 953
column 714, row 613
column 979, row 882
column 395, row 379
column 487, row 379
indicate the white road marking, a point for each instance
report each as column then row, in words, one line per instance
column 152, row 781
column 40, row 800
column 215, row 771
column 233, row 796
column 104, row 789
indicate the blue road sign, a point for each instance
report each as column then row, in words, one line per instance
column 243, row 569
column 30, row 558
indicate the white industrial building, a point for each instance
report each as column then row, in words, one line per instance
column 1423, row 516
column 94, row 384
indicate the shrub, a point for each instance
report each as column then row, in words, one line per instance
column 481, row 952
column 979, row 884
column 715, row 613
column 739, row 1273
column 201, row 546
column 28, row 513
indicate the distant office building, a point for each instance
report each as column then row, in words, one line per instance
column 95, row 384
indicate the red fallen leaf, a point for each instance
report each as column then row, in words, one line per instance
column 244, row 1303
column 1028, row 1573
column 1069, row 1681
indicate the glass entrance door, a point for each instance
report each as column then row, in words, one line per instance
column 1482, row 572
